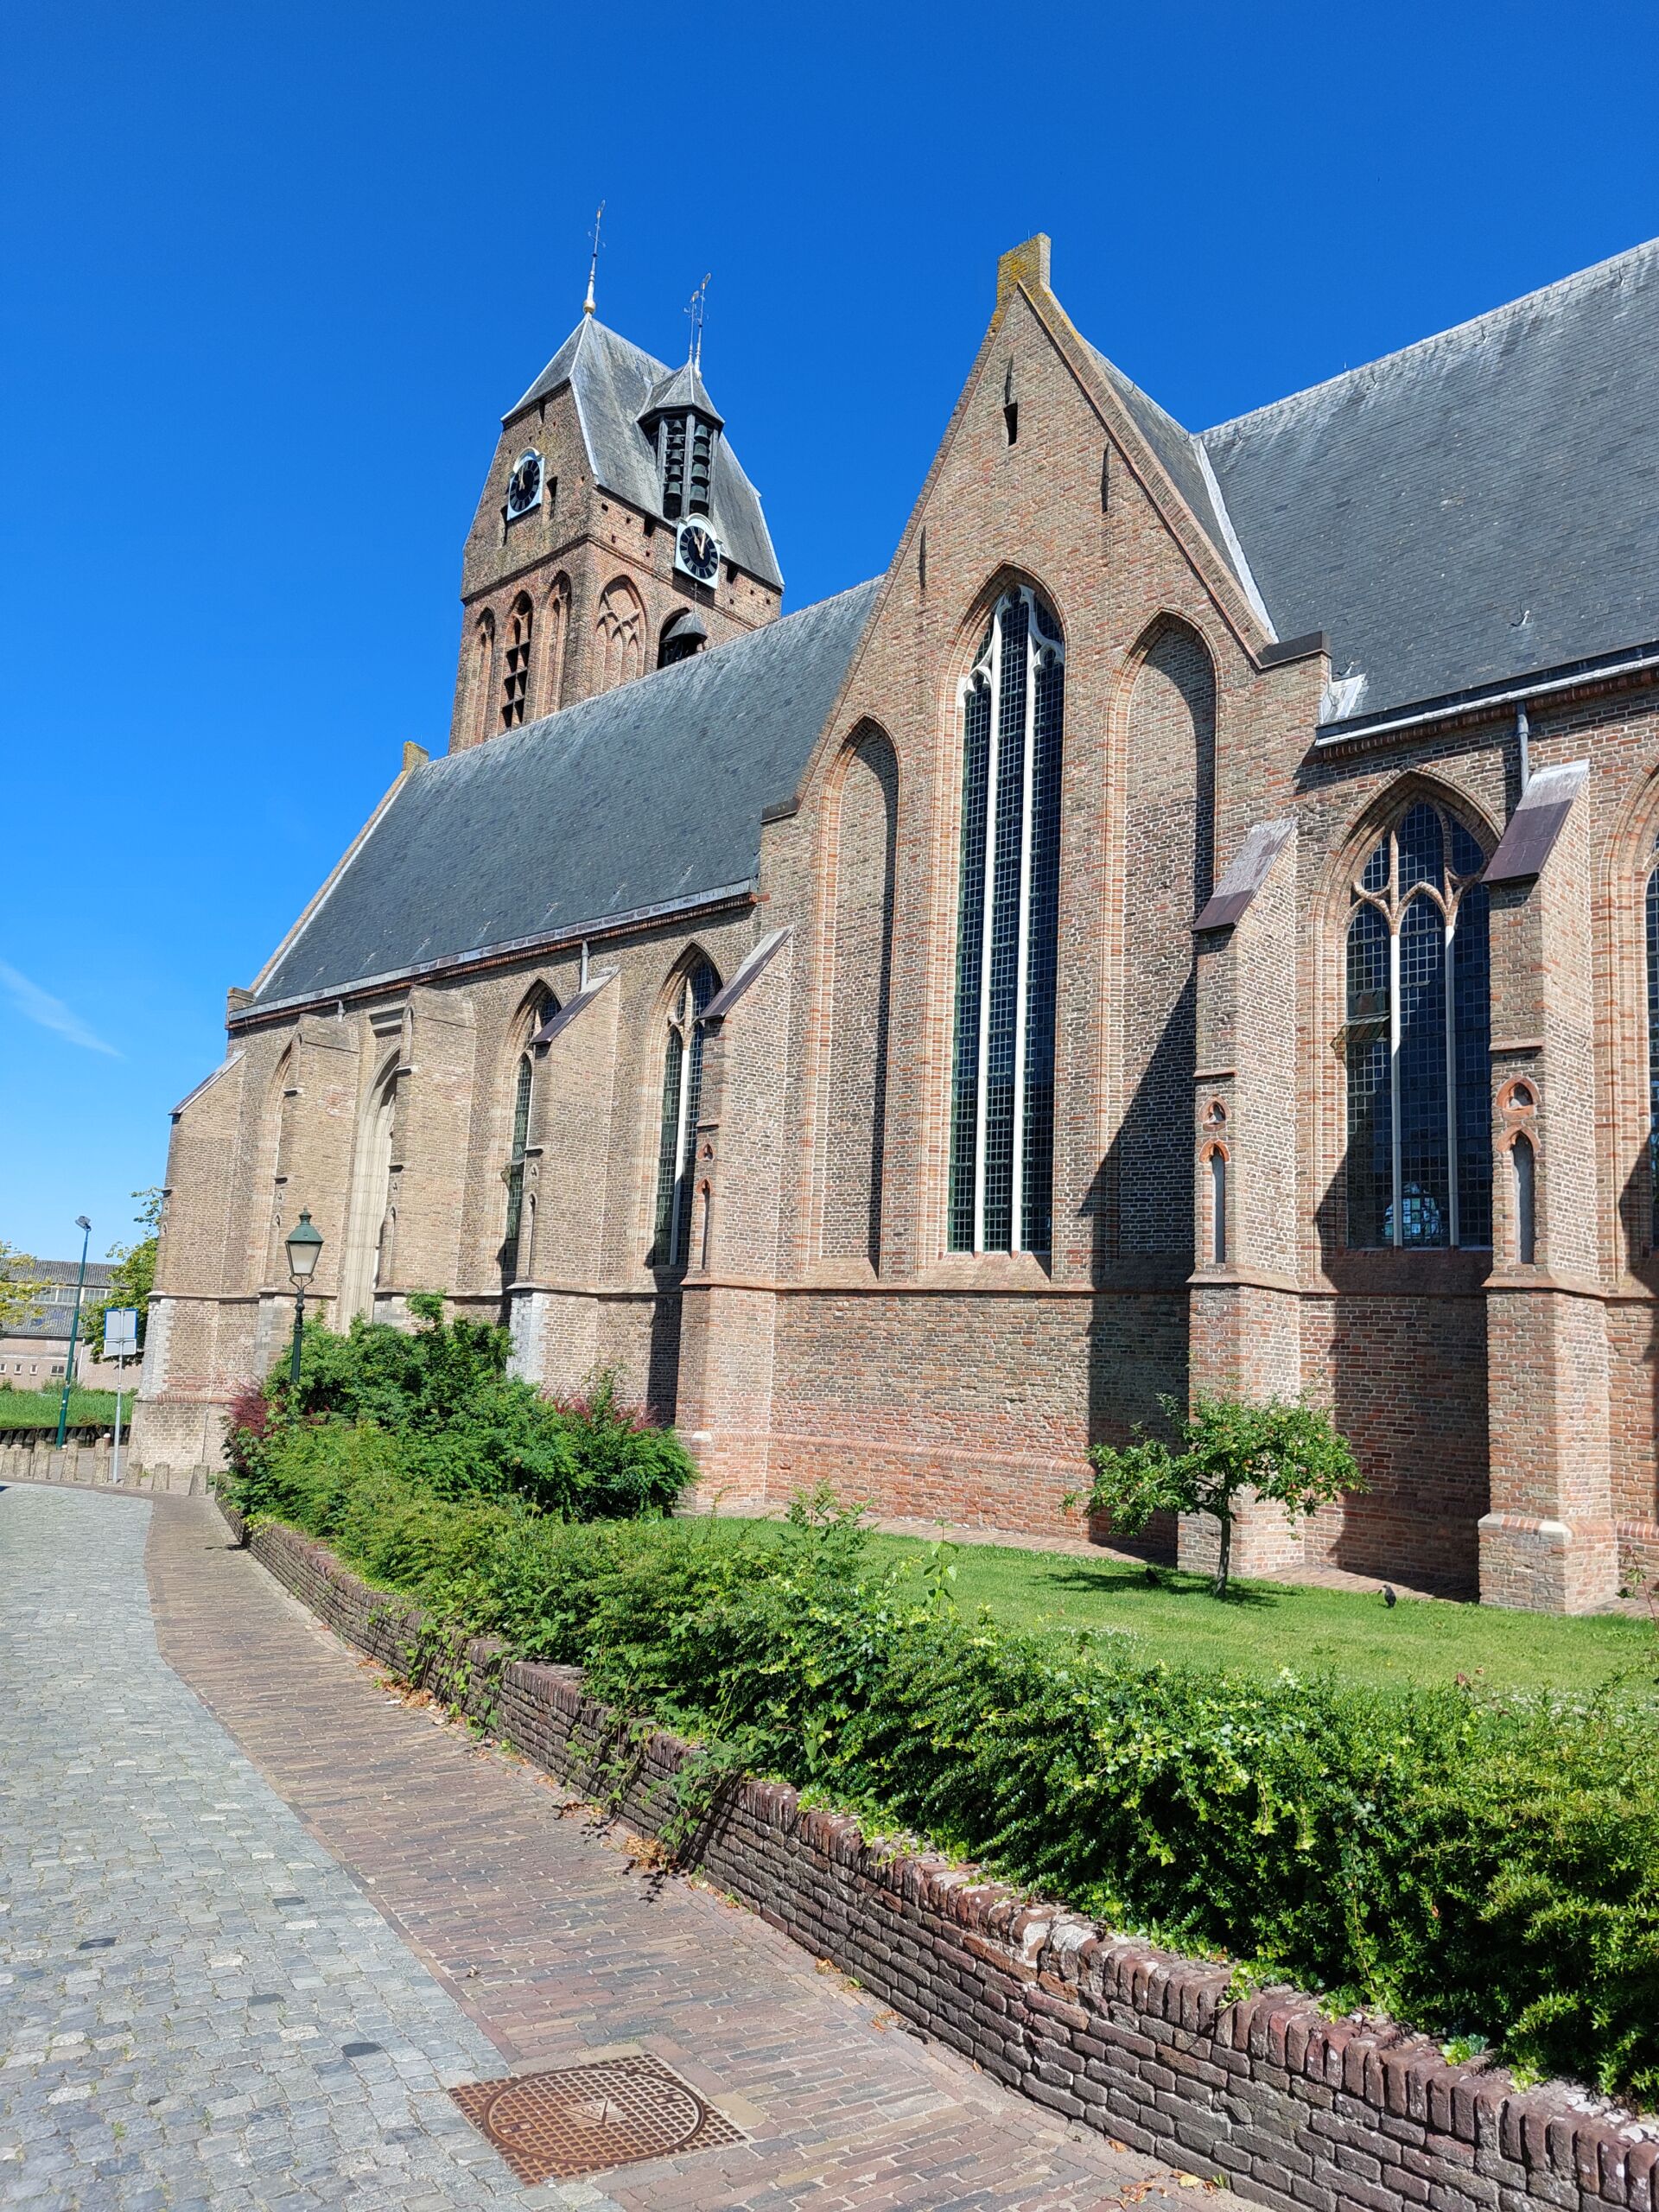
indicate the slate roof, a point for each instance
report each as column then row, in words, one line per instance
column 614, row 381
column 684, row 388
column 646, row 796
column 1480, row 507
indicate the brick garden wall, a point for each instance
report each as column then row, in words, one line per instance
column 1295, row 2110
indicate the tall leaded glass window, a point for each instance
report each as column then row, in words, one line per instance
column 523, row 1087
column 682, row 1099
column 1653, row 1042
column 1417, row 1041
column 1003, row 1104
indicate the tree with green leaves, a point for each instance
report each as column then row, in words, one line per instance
column 132, row 1278
column 1226, row 1451
column 22, row 1292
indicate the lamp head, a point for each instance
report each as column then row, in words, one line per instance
column 81, row 1222
column 304, row 1242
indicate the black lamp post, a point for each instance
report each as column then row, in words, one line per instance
column 82, row 1223
column 304, row 1243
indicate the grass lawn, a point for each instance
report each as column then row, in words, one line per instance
column 39, row 1408
column 1263, row 1626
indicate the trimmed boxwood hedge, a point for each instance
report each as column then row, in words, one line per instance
column 1484, row 1870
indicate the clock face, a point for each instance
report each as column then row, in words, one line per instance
column 697, row 551
column 524, row 484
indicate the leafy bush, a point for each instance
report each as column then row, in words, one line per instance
column 1227, row 1449
column 450, row 1420
column 1481, row 1869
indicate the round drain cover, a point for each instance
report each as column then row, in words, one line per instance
column 582, row 2119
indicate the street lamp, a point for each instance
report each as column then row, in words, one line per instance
column 82, row 1223
column 304, row 1243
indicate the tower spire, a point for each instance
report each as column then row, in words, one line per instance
column 695, row 309
column 592, row 265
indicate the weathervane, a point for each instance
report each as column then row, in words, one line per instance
column 593, row 266
column 695, row 309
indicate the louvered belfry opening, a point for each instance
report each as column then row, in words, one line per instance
column 515, row 681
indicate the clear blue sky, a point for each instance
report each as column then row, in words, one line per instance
column 271, row 275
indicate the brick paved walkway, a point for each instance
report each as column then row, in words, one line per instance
column 553, row 1945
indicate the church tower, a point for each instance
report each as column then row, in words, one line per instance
column 617, row 533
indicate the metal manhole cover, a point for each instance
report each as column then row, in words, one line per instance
column 582, row 2119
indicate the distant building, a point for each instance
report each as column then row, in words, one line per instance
column 32, row 1354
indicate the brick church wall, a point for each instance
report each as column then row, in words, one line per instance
column 1169, row 834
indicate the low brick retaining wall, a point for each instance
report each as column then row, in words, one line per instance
column 93, row 1463
column 1294, row 2109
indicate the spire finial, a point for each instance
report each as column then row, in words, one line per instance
column 695, row 309
column 593, row 266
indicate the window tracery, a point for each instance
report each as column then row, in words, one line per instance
column 515, row 1241
column 1417, row 1039
column 1002, row 1139
column 681, row 1103
column 620, row 636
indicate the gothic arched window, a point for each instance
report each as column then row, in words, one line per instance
column 1653, row 1041
column 620, row 636
column 1002, row 1136
column 1417, row 1039
column 513, row 1241
column 483, row 673
column 515, row 678
column 556, row 612
column 681, row 1101
column 362, row 1268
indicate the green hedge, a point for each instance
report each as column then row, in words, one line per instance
column 39, row 1408
column 1483, row 1870
column 446, row 1415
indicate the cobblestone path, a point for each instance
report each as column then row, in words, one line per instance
column 197, row 2006
column 468, row 1918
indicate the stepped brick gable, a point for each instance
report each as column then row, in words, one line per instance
column 1191, row 923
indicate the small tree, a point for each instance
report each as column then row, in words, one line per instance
column 131, row 1279
column 1290, row 1453
column 23, row 1293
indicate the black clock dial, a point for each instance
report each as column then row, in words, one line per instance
column 699, row 552
column 524, row 484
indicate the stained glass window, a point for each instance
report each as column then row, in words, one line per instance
column 677, row 1130
column 1417, row 1039
column 1653, row 1043
column 1002, row 1123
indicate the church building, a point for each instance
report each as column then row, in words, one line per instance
column 1191, row 923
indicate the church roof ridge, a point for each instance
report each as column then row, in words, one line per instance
column 1459, row 337
column 560, row 369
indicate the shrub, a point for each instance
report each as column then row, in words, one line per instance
column 1481, row 1869
column 453, row 1422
